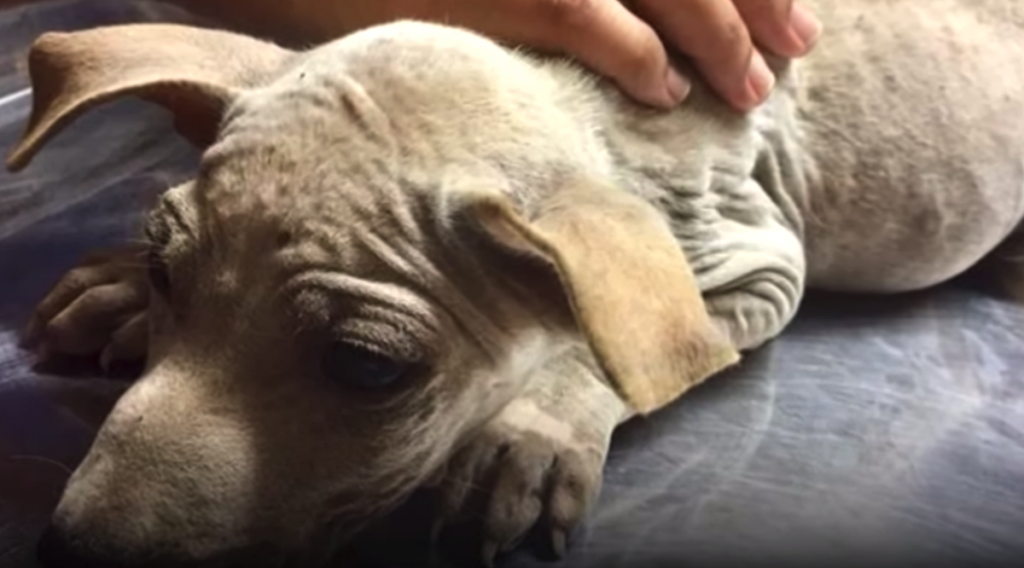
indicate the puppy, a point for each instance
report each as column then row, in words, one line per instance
column 413, row 258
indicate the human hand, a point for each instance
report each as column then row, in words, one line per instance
column 624, row 40
column 723, row 39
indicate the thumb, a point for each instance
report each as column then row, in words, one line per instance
column 605, row 36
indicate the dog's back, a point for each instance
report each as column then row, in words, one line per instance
column 895, row 151
column 912, row 116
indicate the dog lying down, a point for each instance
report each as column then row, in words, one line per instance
column 412, row 258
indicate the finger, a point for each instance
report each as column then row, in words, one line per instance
column 783, row 27
column 714, row 35
column 611, row 40
column 113, row 256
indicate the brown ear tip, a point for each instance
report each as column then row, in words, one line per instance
column 21, row 155
column 50, row 36
column 48, row 41
column 45, row 57
column 16, row 160
column 718, row 358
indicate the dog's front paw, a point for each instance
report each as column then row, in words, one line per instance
column 97, row 308
column 522, row 472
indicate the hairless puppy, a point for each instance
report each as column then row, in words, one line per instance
column 413, row 258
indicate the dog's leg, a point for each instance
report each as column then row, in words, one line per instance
column 97, row 308
column 539, row 461
column 757, row 313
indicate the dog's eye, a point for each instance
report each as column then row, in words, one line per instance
column 361, row 368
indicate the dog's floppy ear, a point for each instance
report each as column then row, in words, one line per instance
column 193, row 72
column 630, row 288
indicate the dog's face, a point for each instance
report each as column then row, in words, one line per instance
column 346, row 291
column 303, row 375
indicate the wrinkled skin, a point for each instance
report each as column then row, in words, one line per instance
column 248, row 433
column 546, row 449
column 533, row 258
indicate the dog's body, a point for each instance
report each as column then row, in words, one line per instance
column 889, row 160
column 514, row 223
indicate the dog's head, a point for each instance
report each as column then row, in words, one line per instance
column 387, row 235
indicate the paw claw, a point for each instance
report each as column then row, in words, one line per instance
column 523, row 478
column 558, row 538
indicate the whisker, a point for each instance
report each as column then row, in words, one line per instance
column 46, row 460
column 134, row 265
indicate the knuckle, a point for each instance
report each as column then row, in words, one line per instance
column 130, row 293
column 101, row 297
column 138, row 282
column 643, row 55
column 570, row 13
column 772, row 12
column 126, row 345
column 734, row 33
column 60, row 329
column 78, row 280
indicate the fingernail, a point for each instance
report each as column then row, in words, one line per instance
column 678, row 86
column 760, row 80
column 805, row 25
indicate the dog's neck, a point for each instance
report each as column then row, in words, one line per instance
column 717, row 175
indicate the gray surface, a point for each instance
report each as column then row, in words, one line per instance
column 884, row 429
